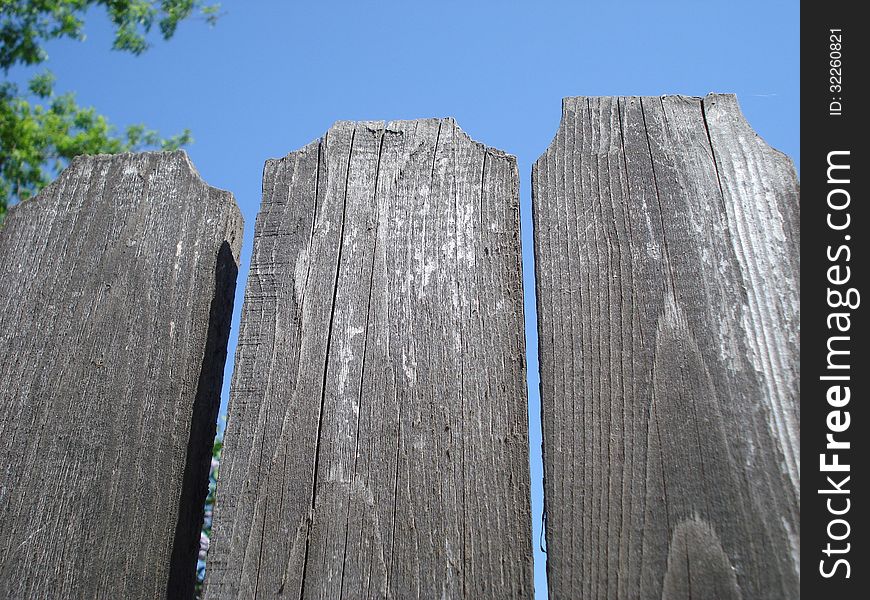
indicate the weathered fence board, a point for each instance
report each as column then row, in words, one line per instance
column 666, row 247
column 116, row 292
column 377, row 443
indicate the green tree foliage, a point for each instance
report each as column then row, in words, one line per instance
column 39, row 138
column 40, row 131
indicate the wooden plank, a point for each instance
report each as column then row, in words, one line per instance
column 377, row 441
column 116, row 294
column 666, row 250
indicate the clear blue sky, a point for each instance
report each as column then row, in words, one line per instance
column 273, row 75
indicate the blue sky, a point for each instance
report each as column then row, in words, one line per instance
column 273, row 75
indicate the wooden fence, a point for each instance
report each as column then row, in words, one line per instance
column 377, row 437
column 116, row 293
column 666, row 253
column 376, row 443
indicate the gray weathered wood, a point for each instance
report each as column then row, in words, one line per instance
column 116, row 293
column 666, row 249
column 377, row 443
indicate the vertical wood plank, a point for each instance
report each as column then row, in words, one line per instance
column 377, row 441
column 116, row 294
column 667, row 266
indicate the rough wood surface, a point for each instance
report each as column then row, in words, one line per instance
column 116, row 292
column 377, row 443
column 666, row 248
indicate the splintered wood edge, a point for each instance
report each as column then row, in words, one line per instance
column 722, row 105
column 716, row 105
column 221, row 197
column 394, row 126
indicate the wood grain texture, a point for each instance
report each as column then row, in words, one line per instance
column 116, row 293
column 377, row 444
column 666, row 249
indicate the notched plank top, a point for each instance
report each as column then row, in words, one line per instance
column 377, row 444
column 667, row 271
column 116, row 290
